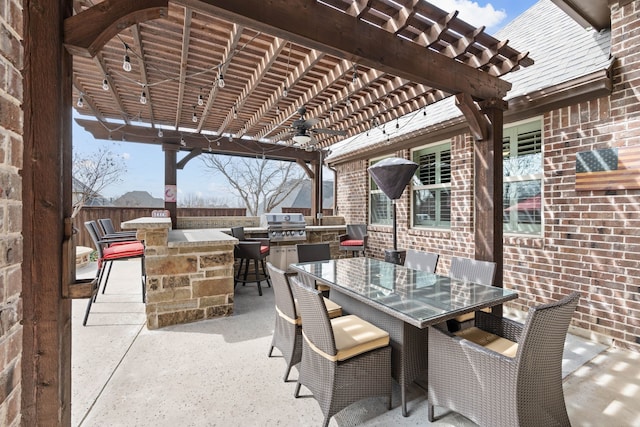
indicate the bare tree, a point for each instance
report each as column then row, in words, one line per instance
column 261, row 184
column 92, row 173
column 195, row 200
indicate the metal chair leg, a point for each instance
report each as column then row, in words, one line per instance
column 257, row 273
column 108, row 266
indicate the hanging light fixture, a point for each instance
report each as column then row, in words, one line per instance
column 126, row 62
column 105, row 84
column 301, row 138
column 200, row 99
column 143, row 97
column 80, row 102
column 285, row 92
column 220, row 79
column 182, row 142
column 235, row 112
column 194, row 117
column 160, row 133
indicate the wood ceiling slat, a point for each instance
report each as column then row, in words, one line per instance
column 176, row 58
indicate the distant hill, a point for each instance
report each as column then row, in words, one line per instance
column 138, row 199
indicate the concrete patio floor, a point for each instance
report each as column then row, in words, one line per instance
column 217, row 373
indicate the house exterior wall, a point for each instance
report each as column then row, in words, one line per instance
column 590, row 240
column 11, row 146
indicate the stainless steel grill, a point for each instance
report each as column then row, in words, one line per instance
column 285, row 227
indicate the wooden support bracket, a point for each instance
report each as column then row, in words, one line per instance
column 194, row 153
column 477, row 121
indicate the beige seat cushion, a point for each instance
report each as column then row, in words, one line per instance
column 322, row 288
column 333, row 309
column 469, row 316
column 490, row 341
column 353, row 336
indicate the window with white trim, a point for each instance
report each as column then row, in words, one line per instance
column 380, row 206
column 522, row 187
column 431, row 187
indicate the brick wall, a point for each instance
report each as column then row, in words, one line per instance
column 591, row 239
column 11, row 131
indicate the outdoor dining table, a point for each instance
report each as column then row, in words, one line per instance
column 402, row 301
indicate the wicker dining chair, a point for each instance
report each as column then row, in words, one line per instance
column 470, row 270
column 418, row 260
column 287, row 334
column 500, row 372
column 311, row 252
column 344, row 360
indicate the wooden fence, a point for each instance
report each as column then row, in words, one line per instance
column 121, row 214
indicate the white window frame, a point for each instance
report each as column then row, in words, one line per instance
column 438, row 186
column 533, row 229
column 377, row 192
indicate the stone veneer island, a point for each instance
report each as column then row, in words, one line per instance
column 189, row 272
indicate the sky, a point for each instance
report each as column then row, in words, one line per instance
column 145, row 162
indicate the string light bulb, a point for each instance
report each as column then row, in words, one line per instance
column 285, row 92
column 80, row 102
column 235, row 112
column 194, row 117
column 200, row 100
column 160, row 133
column 182, row 142
column 143, row 97
column 126, row 62
column 220, row 80
column 105, row 84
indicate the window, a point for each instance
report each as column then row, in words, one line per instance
column 381, row 208
column 522, row 151
column 431, row 187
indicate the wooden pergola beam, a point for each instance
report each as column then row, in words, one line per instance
column 88, row 31
column 212, row 144
column 304, row 22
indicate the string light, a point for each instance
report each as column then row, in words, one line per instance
column 348, row 101
column 285, row 92
column 200, row 100
column 143, row 98
column 194, row 117
column 105, row 84
column 220, row 79
column 80, row 102
column 230, row 138
column 126, row 62
column 184, row 144
column 235, row 112
column 160, row 133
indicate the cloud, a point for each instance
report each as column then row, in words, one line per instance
column 472, row 12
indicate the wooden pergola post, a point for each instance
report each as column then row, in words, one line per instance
column 170, row 182
column 46, row 196
column 488, row 200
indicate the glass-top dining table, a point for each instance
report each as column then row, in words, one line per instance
column 402, row 301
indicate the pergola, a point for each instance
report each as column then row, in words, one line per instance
column 348, row 62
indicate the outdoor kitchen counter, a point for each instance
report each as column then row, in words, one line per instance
column 189, row 273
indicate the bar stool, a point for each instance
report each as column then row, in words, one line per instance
column 248, row 250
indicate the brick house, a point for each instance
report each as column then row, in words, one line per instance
column 588, row 240
column 580, row 95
